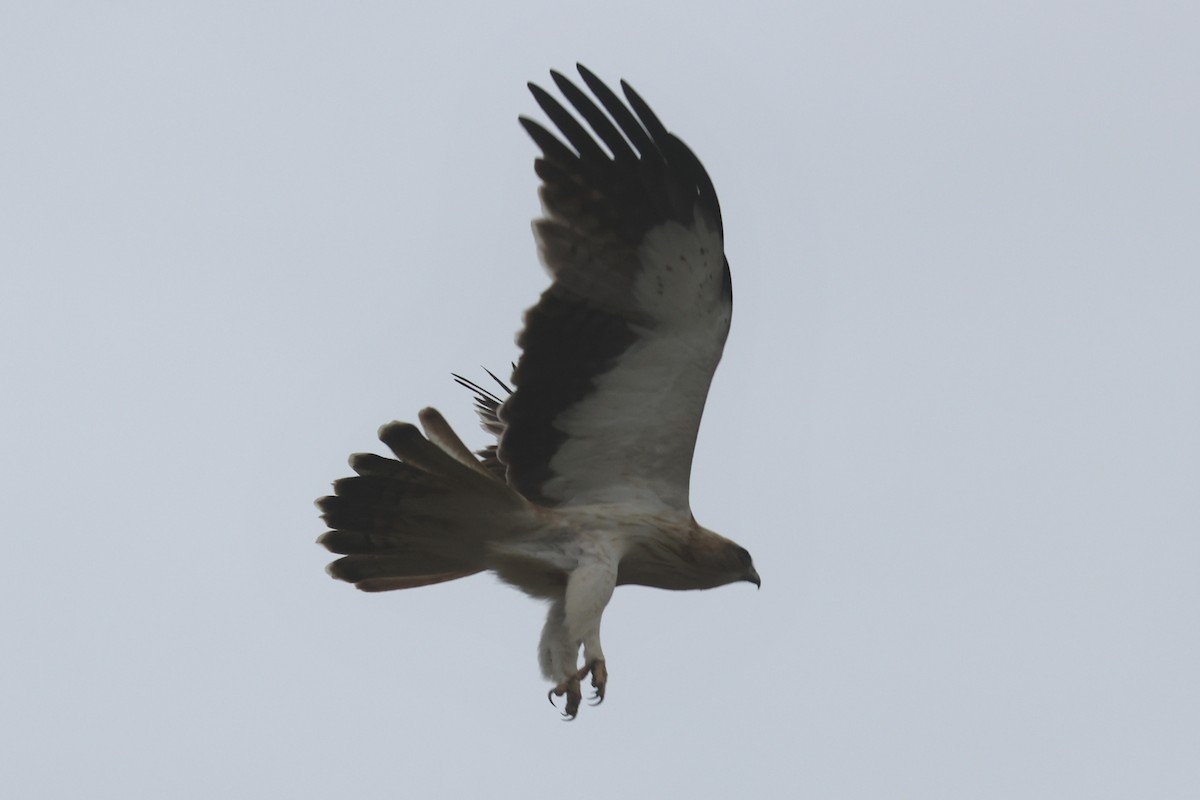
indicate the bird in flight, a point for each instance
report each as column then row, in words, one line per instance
column 587, row 485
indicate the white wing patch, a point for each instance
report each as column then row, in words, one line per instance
column 682, row 271
column 635, row 433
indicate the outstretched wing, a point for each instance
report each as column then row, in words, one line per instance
column 619, row 352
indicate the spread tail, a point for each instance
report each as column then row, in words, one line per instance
column 425, row 517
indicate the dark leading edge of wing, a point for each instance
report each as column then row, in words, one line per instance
column 599, row 201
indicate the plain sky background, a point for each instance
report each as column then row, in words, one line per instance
column 956, row 423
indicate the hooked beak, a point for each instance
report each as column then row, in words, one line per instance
column 752, row 577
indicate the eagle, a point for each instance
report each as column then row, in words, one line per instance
column 586, row 487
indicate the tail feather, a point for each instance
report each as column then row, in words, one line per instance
column 357, row 568
column 390, row 584
column 376, row 503
column 441, row 434
column 410, row 446
column 361, row 542
column 425, row 517
column 371, row 464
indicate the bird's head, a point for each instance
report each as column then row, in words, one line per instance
column 722, row 560
column 687, row 557
column 742, row 565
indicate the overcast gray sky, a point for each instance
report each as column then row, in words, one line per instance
column 956, row 423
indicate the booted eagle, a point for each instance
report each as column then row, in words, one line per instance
column 587, row 486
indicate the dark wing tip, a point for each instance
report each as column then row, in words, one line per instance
column 650, row 121
column 552, row 149
column 636, row 139
column 575, row 134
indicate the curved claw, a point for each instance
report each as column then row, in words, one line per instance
column 599, row 681
column 570, row 688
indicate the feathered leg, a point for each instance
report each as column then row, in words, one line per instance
column 575, row 621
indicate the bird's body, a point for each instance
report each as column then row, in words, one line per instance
column 587, row 486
